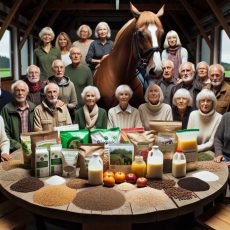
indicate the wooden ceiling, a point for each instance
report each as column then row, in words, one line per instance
column 187, row 17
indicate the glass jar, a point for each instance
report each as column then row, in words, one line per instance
column 139, row 166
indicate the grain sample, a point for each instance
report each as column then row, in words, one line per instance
column 77, row 183
column 193, row 184
column 125, row 186
column 146, row 197
column 14, row 174
column 54, row 195
column 179, row 193
column 27, row 184
column 11, row 164
column 210, row 166
column 161, row 184
column 99, row 199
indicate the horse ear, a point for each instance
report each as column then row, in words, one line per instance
column 136, row 13
column 161, row 11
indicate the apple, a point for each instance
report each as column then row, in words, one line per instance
column 141, row 182
column 119, row 177
column 131, row 178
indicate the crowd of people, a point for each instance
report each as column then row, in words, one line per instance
column 58, row 90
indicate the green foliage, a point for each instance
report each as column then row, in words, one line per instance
column 4, row 62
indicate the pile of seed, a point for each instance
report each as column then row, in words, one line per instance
column 54, row 195
column 11, row 164
column 27, row 184
column 206, row 176
column 210, row 166
column 14, row 174
column 161, row 184
column 99, row 199
column 193, row 184
column 146, row 197
column 77, row 183
column 179, row 193
column 125, row 186
column 55, row 180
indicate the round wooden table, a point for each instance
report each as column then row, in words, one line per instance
column 128, row 213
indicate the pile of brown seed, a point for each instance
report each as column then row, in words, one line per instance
column 14, row 174
column 210, row 166
column 77, row 183
column 193, row 184
column 54, row 195
column 11, row 164
column 161, row 184
column 179, row 193
column 27, row 184
column 99, row 199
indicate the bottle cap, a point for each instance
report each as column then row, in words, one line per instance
column 179, row 150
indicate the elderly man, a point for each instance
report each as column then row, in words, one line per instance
column 51, row 112
column 187, row 75
column 168, row 80
column 202, row 77
column 80, row 74
column 18, row 114
column 220, row 88
column 36, row 86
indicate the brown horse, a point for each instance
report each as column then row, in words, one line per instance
column 137, row 43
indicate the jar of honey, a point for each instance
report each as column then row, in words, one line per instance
column 139, row 166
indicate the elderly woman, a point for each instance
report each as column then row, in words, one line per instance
column 154, row 108
column 182, row 106
column 174, row 51
column 100, row 47
column 206, row 119
column 46, row 53
column 90, row 115
column 124, row 115
column 84, row 33
column 63, row 43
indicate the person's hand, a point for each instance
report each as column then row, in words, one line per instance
column 218, row 159
column 5, row 157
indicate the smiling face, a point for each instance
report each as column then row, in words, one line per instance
column 182, row 103
column 62, row 41
column 172, row 40
column 102, row 32
column 90, row 100
column 206, row 105
column 123, row 99
column 154, row 95
column 46, row 38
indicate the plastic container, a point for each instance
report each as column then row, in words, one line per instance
column 155, row 163
column 95, row 170
column 139, row 166
column 187, row 142
column 179, row 164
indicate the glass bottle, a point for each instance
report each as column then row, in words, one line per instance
column 139, row 166
column 155, row 163
column 95, row 170
column 179, row 164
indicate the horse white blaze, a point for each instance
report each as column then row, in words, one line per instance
column 156, row 55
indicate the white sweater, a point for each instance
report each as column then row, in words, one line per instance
column 4, row 141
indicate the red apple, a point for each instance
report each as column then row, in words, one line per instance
column 131, row 178
column 141, row 182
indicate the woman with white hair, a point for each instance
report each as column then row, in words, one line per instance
column 124, row 115
column 100, row 47
column 206, row 119
column 182, row 106
column 154, row 108
column 46, row 53
column 91, row 116
column 84, row 32
column 174, row 51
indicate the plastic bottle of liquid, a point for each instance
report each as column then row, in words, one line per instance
column 139, row 166
column 95, row 170
column 179, row 164
column 155, row 163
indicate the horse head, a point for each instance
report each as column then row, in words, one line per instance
column 146, row 40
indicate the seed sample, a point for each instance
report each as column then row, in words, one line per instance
column 193, row 184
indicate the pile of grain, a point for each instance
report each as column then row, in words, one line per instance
column 14, row 174
column 27, row 184
column 77, row 183
column 193, row 184
column 99, row 199
column 125, row 186
column 54, row 195
column 146, row 197
column 161, row 184
column 206, row 176
column 179, row 193
column 55, row 180
column 210, row 166
column 11, row 164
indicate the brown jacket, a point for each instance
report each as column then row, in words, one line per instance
column 45, row 119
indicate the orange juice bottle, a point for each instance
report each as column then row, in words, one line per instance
column 139, row 167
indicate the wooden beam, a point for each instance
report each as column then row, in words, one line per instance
column 53, row 18
column 33, row 20
column 219, row 15
column 197, row 22
column 10, row 17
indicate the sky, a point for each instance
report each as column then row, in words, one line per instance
column 5, row 44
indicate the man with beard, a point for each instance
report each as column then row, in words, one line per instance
column 36, row 86
column 52, row 112
column 18, row 114
column 187, row 75
column 202, row 77
column 168, row 80
column 80, row 74
column 220, row 88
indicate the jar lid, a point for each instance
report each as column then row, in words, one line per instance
column 138, row 158
column 179, row 150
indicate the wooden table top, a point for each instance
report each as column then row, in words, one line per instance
column 129, row 212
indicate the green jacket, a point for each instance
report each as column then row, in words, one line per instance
column 13, row 123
